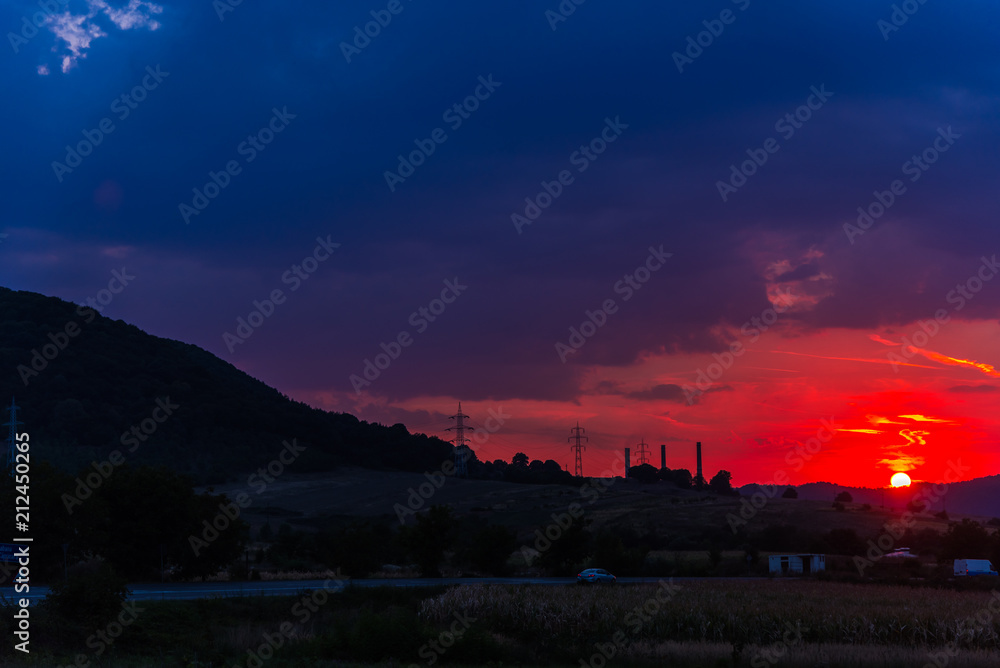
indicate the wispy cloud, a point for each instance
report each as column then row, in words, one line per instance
column 78, row 31
column 925, row 418
column 878, row 419
column 987, row 369
column 851, row 359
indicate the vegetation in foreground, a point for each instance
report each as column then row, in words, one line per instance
column 715, row 624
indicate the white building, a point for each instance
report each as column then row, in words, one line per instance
column 796, row 564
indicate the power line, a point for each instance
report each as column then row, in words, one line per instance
column 460, row 441
column 578, row 447
column 642, row 450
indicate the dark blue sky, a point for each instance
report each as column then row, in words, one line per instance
column 323, row 175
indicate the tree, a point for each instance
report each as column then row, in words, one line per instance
column 721, row 483
column 644, row 473
column 89, row 599
column 137, row 515
column 519, row 460
column 489, row 549
column 681, row 478
column 566, row 553
column 790, row 493
column 844, row 497
column 610, row 553
column 430, row 538
column 843, row 541
column 916, row 506
column 967, row 539
column 664, row 474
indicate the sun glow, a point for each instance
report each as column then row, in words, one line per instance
column 900, row 480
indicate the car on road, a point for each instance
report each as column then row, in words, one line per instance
column 594, row 575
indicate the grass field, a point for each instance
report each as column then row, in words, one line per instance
column 754, row 622
column 704, row 624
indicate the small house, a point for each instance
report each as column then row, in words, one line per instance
column 796, row 564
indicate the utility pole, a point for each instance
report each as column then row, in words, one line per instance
column 460, row 441
column 643, row 452
column 578, row 447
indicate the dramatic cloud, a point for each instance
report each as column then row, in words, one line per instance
column 766, row 305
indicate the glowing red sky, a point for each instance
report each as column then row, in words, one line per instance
column 848, row 298
column 765, row 408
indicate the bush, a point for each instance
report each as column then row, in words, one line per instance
column 89, row 598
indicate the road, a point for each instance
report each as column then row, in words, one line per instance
column 182, row 591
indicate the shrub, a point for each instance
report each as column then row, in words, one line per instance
column 89, row 598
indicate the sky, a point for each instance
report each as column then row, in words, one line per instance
column 767, row 227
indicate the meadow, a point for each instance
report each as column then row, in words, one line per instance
column 696, row 623
column 746, row 622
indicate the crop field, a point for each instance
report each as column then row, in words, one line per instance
column 686, row 623
column 757, row 623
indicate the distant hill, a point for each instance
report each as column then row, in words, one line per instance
column 980, row 496
column 105, row 376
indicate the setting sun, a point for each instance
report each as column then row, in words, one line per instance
column 900, row 480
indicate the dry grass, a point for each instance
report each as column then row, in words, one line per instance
column 745, row 613
column 818, row 655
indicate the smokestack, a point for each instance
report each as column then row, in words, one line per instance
column 663, row 456
column 628, row 461
column 700, row 479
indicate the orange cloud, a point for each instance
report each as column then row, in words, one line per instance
column 988, row 369
column 924, row 418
